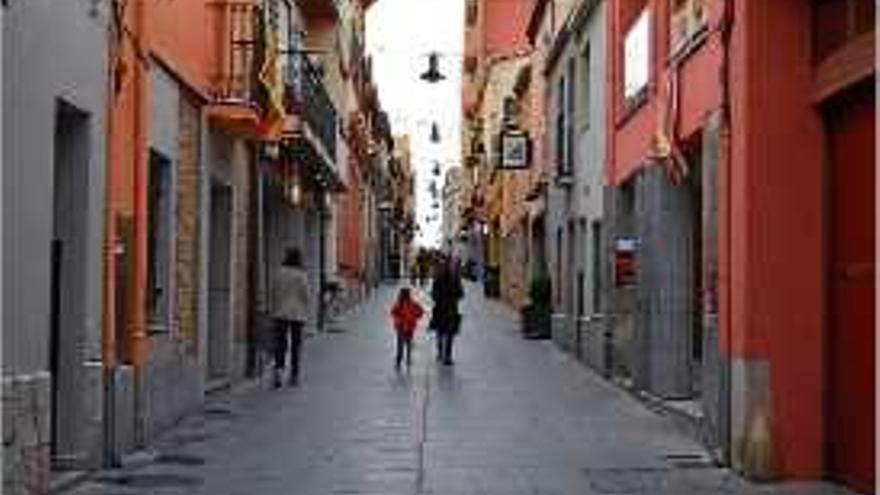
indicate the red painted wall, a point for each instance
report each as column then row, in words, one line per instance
column 777, row 212
column 771, row 279
column 851, row 379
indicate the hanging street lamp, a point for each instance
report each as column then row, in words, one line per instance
column 433, row 75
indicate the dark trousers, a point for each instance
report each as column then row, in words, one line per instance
column 404, row 345
column 444, row 346
column 288, row 335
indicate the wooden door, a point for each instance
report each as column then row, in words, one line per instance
column 850, row 123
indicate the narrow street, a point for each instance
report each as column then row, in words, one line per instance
column 510, row 417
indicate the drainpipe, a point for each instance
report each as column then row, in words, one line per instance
column 726, row 146
column 138, row 334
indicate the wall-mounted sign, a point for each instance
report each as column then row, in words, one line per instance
column 625, row 261
column 515, row 150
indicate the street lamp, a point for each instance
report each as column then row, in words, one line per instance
column 433, row 75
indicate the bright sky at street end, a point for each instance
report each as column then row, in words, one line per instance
column 400, row 36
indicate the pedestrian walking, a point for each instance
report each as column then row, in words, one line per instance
column 406, row 313
column 291, row 304
column 445, row 318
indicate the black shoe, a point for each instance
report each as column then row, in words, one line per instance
column 276, row 379
column 448, row 362
column 293, row 381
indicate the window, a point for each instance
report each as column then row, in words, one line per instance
column 569, row 115
column 636, row 56
column 838, row 22
column 472, row 13
column 159, row 239
column 586, row 106
column 596, row 227
column 560, row 127
column 509, row 110
column 558, row 282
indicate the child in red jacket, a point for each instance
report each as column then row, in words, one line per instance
column 405, row 313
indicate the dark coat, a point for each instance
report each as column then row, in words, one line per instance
column 446, row 293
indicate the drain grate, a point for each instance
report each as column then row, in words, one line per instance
column 151, row 480
column 660, row 481
column 689, row 460
column 180, row 459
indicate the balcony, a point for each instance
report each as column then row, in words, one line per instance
column 234, row 81
column 307, row 100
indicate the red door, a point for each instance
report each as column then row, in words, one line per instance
column 851, row 333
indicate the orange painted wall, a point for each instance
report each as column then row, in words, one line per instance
column 504, row 30
column 182, row 37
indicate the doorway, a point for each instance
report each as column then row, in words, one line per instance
column 695, row 338
column 219, row 282
column 850, row 378
column 68, row 279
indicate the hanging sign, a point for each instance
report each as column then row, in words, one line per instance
column 515, row 150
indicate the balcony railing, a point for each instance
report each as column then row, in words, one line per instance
column 235, row 78
column 307, row 96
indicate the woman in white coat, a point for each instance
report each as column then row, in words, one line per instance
column 291, row 306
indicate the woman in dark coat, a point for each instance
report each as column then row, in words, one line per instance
column 446, row 320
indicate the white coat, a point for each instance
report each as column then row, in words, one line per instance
column 291, row 295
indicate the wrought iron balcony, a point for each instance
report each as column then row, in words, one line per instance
column 307, row 98
column 235, row 77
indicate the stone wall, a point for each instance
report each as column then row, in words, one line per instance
column 26, row 434
column 188, row 214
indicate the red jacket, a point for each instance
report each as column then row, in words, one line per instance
column 406, row 316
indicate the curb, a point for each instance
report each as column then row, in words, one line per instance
column 65, row 481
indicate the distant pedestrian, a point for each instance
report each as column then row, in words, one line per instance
column 291, row 308
column 406, row 313
column 445, row 319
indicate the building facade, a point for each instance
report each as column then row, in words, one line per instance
column 53, row 203
column 495, row 51
column 575, row 112
column 182, row 164
column 729, row 198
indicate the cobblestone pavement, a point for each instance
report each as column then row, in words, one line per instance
column 510, row 417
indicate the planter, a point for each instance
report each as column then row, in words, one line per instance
column 536, row 322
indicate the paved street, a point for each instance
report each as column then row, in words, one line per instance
column 511, row 417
